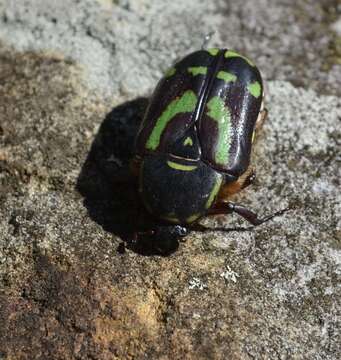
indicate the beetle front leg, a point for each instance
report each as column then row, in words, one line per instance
column 263, row 114
column 234, row 187
column 247, row 214
column 249, row 179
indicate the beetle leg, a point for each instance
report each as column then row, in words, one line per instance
column 134, row 165
column 247, row 214
column 263, row 114
column 123, row 176
column 249, row 179
column 233, row 187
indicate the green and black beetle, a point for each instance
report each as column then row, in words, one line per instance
column 193, row 147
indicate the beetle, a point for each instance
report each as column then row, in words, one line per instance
column 193, row 148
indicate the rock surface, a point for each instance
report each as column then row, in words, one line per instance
column 74, row 78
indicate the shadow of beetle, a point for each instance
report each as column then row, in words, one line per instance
column 110, row 194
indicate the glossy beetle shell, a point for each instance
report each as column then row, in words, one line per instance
column 205, row 108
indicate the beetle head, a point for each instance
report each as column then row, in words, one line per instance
column 162, row 240
column 166, row 237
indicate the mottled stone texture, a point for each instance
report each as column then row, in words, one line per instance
column 74, row 82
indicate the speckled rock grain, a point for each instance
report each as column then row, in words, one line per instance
column 74, row 77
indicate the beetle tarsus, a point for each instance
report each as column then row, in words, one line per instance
column 247, row 214
column 251, row 216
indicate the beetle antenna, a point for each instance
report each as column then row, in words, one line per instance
column 207, row 39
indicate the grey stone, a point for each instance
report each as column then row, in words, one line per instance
column 74, row 77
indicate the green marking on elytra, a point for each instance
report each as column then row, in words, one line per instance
column 214, row 192
column 231, row 54
column 213, row 51
column 186, row 103
column 192, row 218
column 221, row 114
column 226, row 76
column 197, row 70
column 181, row 167
column 170, row 72
column 255, row 89
column 188, row 141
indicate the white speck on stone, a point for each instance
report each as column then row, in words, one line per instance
column 229, row 275
column 196, row 283
column 328, row 291
column 336, row 26
column 196, row 316
column 322, row 187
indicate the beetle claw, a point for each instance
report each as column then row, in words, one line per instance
column 207, row 39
